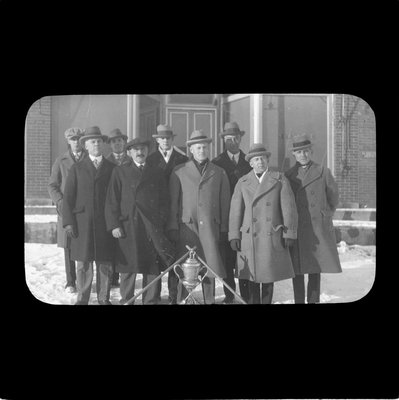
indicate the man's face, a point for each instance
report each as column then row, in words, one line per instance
column 117, row 145
column 139, row 153
column 165, row 143
column 259, row 164
column 200, row 151
column 76, row 147
column 232, row 143
column 303, row 156
column 95, row 146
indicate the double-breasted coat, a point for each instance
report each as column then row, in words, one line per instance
column 200, row 210
column 175, row 159
column 138, row 202
column 56, row 187
column 316, row 196
column 261, row 215
column 83, row 207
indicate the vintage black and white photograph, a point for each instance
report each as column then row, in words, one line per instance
column 200, row 199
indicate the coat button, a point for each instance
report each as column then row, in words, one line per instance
column 269, row 233
column 312, row 192
column 311, row 205
column 254, row 234
column 254, row 220
column 268, row 219
column 201, row 222
column 268, row 203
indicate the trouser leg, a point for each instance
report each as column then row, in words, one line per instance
column 208, row 290
column 84, row 279
column 298, row 283
column 127, row 286
column 243, row 284
column 229, row 261
column 267, row 292
column 254, row 292
column 115, row 276
column 173, row 281
column 313, row 295
column 104, row 278
column 70, row 268
column 150, row 296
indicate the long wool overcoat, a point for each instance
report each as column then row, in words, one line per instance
column 200, row 211
column 175, row 159
column 316, row 195
column 261, row 215
column 138, row 202
column 83, row 207
column 56, row 187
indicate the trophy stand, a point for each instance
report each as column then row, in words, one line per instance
column 190, row 277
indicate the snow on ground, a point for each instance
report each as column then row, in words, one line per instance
column 45, row 278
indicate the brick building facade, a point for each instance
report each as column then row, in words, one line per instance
column 353, row 134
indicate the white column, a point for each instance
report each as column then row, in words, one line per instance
column 256, row 118
column 133, row 116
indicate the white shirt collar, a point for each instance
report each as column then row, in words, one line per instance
column 261, row 177
column 168, row 153
column 236, row 156
column 137, row 164
column 116, row 155
column 99, row 158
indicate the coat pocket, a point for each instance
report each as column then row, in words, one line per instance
column 78, row 210
column 277, row 239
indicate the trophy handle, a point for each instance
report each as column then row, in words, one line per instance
column 175, row 271
column 203, row 276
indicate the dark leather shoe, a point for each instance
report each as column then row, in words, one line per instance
column 228, row 300
column 104, row 303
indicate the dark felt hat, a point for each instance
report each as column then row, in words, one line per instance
column 256, row 150
column 116, row 133
column 92, row 132
column 164, row 131
column 300, row 142
column 198, row 137
column 231, row 128
column 137, row 141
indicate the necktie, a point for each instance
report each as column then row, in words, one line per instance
column 141, row 167
column 259, row 174
column 119, row 158
column 233, row 159
column 95, row 162
column 165, row 153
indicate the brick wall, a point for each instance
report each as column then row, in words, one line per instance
column 355, row 150
column 38, row 150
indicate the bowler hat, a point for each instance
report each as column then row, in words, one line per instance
column 164, row 131
column 73, row 133
column 92, row 132
column 231, row 128
column 137, row 141
column 116, row 133
column 256, row 150
column 300, row 142
column 198, row 137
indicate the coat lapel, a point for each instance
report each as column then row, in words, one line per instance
column 252, row 183
column 208, row 173
column 193, row 172
column 268, row 182
column 313, row 173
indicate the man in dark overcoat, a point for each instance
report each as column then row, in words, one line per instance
column 83, row 218
column 117, row 140
column 167, row 157
column 56, row 186
column 199, row 211
column 316, row 196
column 136, row 211
column 232, row 160
column 262, row 226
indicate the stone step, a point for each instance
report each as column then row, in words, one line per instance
column 40, row 210
column 355, row 214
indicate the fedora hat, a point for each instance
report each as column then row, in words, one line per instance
column 300, row 142
column 256, row 150
column 92, row 132
column 198, row 137
column 73, row 133
column 231, row 128
column 116, row 133
column 164, row 131
column 137, row 141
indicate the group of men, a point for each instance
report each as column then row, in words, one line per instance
column 134, row 213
